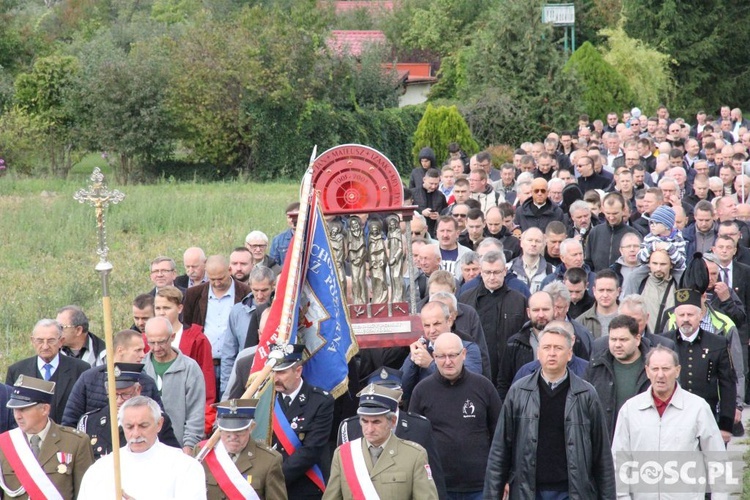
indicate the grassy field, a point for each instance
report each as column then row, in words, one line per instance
column 48, row 243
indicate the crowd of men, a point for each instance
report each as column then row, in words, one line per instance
column 572, row 302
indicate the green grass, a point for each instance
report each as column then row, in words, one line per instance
column 48, row 243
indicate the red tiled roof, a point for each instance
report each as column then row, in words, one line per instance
column 353, row 42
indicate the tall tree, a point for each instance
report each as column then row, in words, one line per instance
column 605, row 89
column 708, row 42
column 516, row 59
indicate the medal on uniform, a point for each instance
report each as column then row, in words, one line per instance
column 62, row 469
column 250, row 479
column 64, row 459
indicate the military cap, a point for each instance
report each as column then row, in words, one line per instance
column 30, row 391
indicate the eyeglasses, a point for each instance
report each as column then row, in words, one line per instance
column 67, row 326
column 159, row 343
column 460, row 215
column 450, row 356
column 263, row 245
column 493, row 273
column 540, row 190
column 124, row 396
column 45, row 341
column 161, row 271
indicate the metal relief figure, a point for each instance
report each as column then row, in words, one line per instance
column 377, row 259
column 338, row 247
column 356, row 251
column 396, row 258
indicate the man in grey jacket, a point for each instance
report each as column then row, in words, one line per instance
column 180, row 383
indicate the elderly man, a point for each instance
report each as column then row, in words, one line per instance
column 194, row 262
column 665, row 418
column 41, row 459
column 706, row 358
column 551, row 439
column 379, row 464
column 571, row 256
column 458, row 403
column 49, row 364
column 96, row 423
column 257, row 243
column 305, row 414
column 180, row 382
column 579, row 221
column 420, row 364
column 238, row 466
column 150, row 469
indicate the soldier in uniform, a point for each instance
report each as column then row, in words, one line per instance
column 380, row 463
column 96, row 423
column 249, row 464
column 305, row 425
column 704, row 357
column 40, row 459
column 409, row 426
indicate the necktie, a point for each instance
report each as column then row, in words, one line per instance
column 233, row 456
column 725, row 271
column 287, row 402
column 375, row 452
column 35, row 441
column 47, row 371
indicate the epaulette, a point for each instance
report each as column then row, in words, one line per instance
column 267, row 449
column 414, row 445
column 71, row 430
column 323, row 392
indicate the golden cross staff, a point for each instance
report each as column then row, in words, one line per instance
column 98, row 196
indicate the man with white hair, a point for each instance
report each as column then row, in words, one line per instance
column 257, row 243
column 194, row 261
column 150, row 469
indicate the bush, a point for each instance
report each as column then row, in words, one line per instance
column 440, row 126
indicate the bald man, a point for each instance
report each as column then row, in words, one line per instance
column 538, row 210
column 209, row 304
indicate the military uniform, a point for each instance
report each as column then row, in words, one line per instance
column 310, row 416
column 66, row 477
column 95, row 424
column 707, row 371
column 260, row 465
column 400, row 472
column 409, row 427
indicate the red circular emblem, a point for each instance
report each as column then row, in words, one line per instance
column 356, row 178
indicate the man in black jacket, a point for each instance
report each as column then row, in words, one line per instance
column 429, row 200
column 619, row 372
column 502, row 310
column 551, row 437
column 603, row 243
column 538, row 211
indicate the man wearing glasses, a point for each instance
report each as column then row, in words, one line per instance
column 257, row 243
column 96, row 423
column 458, row 402
column 49, row 365
column 538, row 211
column 163, row 273
column 180, row 383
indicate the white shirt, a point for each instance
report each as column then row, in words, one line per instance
column 159, row 473
column 55, row 363
column 177, row 337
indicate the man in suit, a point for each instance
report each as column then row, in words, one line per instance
column 308, row 413
column 409, row 426
column 380, row 464
column 49, row 364
column 163, row 273
column 59, row 456
column 256, row 466
column 194, row 261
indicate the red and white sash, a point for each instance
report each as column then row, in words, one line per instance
column 27, row 468
column 230, row 480
column 355, row 471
